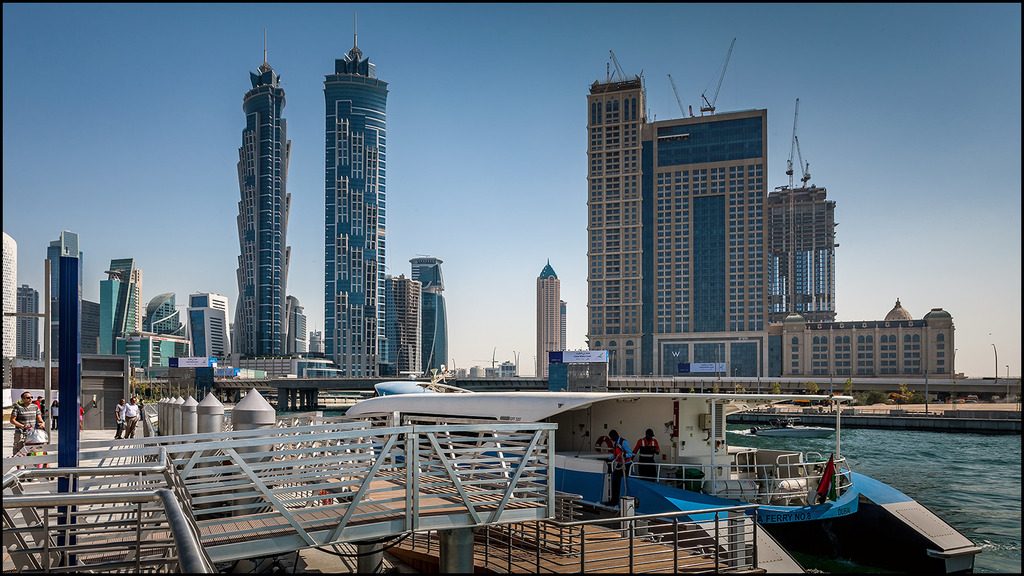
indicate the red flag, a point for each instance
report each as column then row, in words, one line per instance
column 826, row 480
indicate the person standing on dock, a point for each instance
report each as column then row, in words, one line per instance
column 24, row 416
column 119, row 419
column 647, row 449
column 131, row 417
column 620, row 460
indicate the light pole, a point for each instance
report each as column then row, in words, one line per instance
column 46, row 341
column 996, row 352
column 1007, row 382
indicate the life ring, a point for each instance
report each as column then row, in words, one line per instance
column 326, row 501
column 605, row 443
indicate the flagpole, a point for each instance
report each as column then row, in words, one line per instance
column 839, row 410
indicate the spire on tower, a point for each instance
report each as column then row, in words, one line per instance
column 264, row 45
column 355, row 31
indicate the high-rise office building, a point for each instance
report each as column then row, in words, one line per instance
column 434, row 326
column 296, row 327
column 208, row 324
column 354, row 247
column 261, row 322
column 676, row 241
column 316, row 342
column 89, row 321
column 121, row 311
column 10, row 296
column 561, row 309
column 65, row 245
column 801, row 248
column 402, row 326
column 28, row 328
column 162, row 316
column 549, row 318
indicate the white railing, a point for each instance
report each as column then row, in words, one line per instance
column 789, row 481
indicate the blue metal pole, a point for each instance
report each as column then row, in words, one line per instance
column 69, row 382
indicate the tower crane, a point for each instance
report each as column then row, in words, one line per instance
column 678, row 99
column 710, row 106
column 805, row 168
column 618, row 69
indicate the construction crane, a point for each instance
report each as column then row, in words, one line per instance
column 805, row 168
column 710, row 106
column 618, row 69
column 792, row 144
column 678, row 99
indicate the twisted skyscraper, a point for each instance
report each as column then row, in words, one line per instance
column 261, row 323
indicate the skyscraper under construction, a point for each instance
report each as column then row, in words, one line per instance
column 801, row 254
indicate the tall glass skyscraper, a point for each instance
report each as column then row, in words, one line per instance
column 120, row 311
column 65, row 245
column 434, row 325
column 28, row 328
column 261, row 323
column 296, row 327
column 354, row 247
column 801, row 245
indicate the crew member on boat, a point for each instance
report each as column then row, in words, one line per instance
column 647, row 449
column 621, row 459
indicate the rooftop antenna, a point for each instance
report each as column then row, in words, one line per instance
column 264, row 45
column 355, row 30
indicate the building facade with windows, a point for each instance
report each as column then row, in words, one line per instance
column 549, row 317
column 162, row 316
column 675, row 236
column 148, row 350
column 28, row 328
column 261, row 322
column 296, row 327
column 208, row 324
column 355, row 218
column 896, row 346
column 403, row 326
column 120, row 311
column 89, row 321
column 427, row 270
column 801, row 244
column 11, row 298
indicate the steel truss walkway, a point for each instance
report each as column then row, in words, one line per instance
column 271, row 491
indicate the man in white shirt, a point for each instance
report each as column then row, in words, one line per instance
column 131, row 417
column 119, row 419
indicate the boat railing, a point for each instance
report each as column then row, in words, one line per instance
column 131, row 518
column 710, row 540
column 785, row 482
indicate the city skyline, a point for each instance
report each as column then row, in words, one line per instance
column 902, row 110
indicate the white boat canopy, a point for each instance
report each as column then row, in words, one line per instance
column 537, row 406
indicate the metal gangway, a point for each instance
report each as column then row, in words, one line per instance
column 264, row 492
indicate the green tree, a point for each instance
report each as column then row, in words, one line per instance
column 848, row 387
column 776, row 388
column 904, row 395
column 812, row 387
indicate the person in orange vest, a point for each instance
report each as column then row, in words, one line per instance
column 620, row 459
column 647, row 450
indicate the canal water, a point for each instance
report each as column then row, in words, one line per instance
column 972, row 481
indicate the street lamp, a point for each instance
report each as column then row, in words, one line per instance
column 46, row 341
column 996, row 352
column 1007, row 383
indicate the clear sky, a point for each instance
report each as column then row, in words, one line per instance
column 122, row 123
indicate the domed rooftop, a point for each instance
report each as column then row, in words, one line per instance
column 937, row 313
column 793, row 318
column 548, row 271
column 898, row 313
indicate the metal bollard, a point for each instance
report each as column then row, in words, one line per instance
column 210, row 415
column 175, row 415
column 253, row 413
column 189, row 416
column 161, row 420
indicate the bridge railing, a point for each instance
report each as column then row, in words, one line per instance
column 112, row 519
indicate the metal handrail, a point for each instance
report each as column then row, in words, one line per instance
column 660, row 515
column 191, row 556
column 157, row 467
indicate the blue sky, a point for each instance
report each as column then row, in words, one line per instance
column 123, row 122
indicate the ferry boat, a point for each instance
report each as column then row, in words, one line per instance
column 858, row 518
column 787, row 427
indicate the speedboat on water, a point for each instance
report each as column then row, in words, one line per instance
column 788, row 428
column 808, row 501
